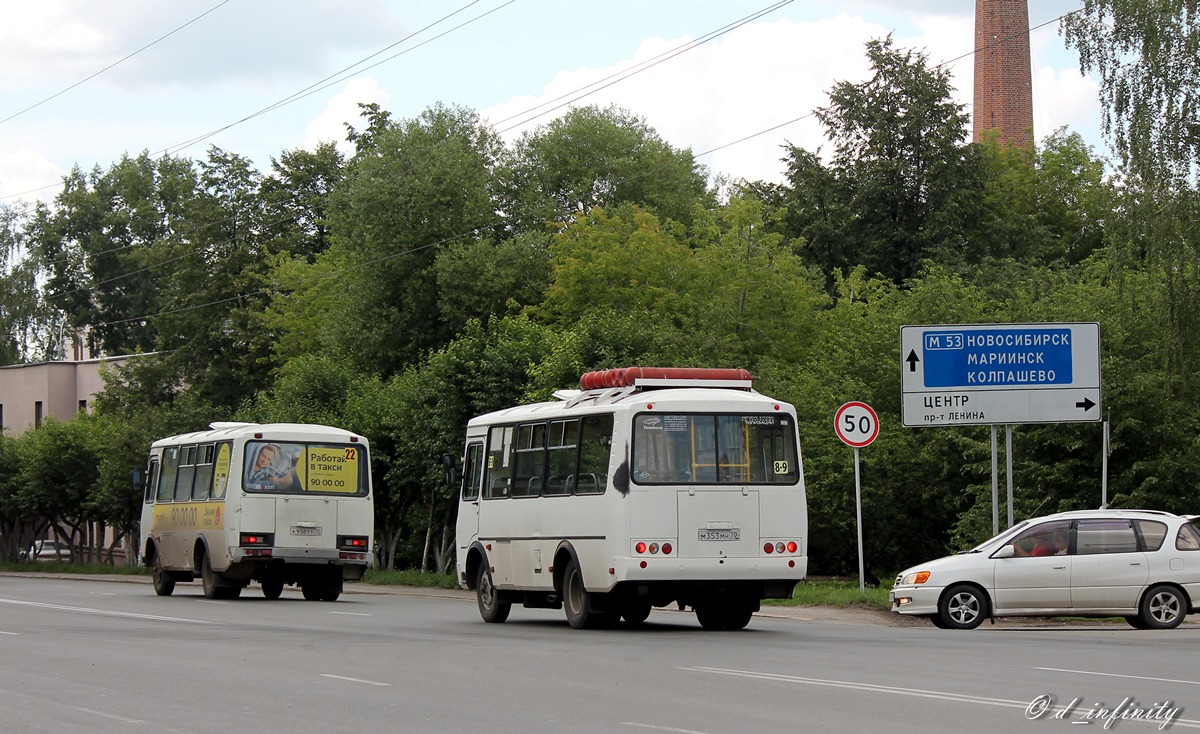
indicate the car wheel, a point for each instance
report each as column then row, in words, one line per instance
column 490, row 607
column 962, row 607
column 163, row 583
column 1136, row 622
column 272, row 588
column 1163, row 608
column 936, row 619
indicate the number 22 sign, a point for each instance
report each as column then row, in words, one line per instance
column 856, row 424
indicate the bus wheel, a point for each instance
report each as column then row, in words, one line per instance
column 723, row 617
column 164, row 584
column 490, row 606
column 208, row 579
column 576, row 600
column 330, row 595
column 310, row 592
column 272, row 589
column 635, row 612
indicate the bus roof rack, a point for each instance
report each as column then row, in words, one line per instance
column 648, row 377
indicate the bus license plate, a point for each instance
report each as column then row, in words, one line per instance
column 720, row 534
column 296, row 530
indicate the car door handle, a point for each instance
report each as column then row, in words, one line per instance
column 1060, row 568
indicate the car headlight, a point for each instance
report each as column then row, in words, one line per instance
column 916, row 577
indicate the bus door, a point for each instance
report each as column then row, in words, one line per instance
column 467, row 528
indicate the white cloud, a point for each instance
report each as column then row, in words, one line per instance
column 343, row 108
column 25, row 170
column 758, row 77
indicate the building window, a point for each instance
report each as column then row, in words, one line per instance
column 82, row 406
column 37, row 414
column 1, row 417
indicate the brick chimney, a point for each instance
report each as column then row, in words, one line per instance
column 1003, row 96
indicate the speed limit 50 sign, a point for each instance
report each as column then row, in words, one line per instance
column 856, row 424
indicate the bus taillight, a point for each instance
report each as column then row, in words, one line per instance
column 791, row 546
column 353, row 543
column 666, row 549
column 256, row 540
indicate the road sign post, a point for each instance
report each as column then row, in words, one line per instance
column 992, row 374
column 857, row 425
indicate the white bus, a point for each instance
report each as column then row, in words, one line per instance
column 648, row 487
column 275, row 503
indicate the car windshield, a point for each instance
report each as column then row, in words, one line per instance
column 998, row 539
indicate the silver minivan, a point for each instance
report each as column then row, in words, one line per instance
column 1142, row 565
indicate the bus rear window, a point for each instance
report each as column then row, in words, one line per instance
column 708, row 448
column 301, row 468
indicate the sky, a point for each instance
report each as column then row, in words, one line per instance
column 83, row 83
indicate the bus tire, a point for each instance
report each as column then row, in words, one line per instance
column 718, row 616
column 636, row 612
column 208, row 579
column 310, row 592
column 272, row 588
column 490, row 607
column 164, row 584
column 576, row 599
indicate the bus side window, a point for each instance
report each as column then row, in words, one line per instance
column 166, row 480
column 187, row 470
column 562, row 456
column 530, row 460
column 472, row 471
column 499, row 462
column 202, row 486
column 595, row 445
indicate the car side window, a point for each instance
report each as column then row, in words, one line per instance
column 1105, row 536
column 1043, row 539
column 1153, row 533
column 1188, row 538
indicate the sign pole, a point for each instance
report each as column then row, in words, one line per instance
column 1008, row 461
column 857, row 425
column 995, row 487
column 862, row 585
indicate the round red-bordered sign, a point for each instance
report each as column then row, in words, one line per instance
column 856, row 424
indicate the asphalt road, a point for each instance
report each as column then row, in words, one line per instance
column 88, row 655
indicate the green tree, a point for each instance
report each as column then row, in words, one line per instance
column 99, row 244
column 593, row 157
column 413, row 188
column 1147, row 54
column 26, row 332
column 902, row 184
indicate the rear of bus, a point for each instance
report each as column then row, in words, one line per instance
column 307, row 511
column 716, row 502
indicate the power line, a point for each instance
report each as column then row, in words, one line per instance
column 644, row 66
column 115, row 63
column 616, row 77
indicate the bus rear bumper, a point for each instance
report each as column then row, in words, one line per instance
column 667, row 568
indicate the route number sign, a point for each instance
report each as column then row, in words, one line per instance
column 856, row 424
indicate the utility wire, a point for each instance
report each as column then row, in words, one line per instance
column 344, row 271
column 624, row 74
column 115, row 63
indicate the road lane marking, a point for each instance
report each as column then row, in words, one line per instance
column 1121, row 675
column 916, row 692
column 121, row 719
column 101, row 612
column 353, row 614
column 2, row 632
column 354, row 680
column 661, row 728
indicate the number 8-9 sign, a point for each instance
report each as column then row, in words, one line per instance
column 856, row 424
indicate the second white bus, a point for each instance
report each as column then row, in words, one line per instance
column 275, row 503
column 649, row 487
